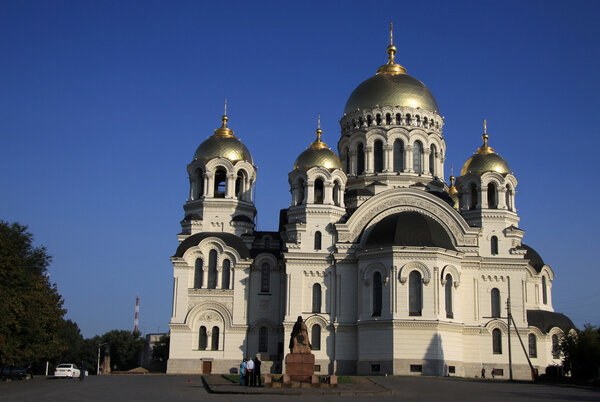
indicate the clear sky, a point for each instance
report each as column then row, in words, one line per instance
column 103, row 103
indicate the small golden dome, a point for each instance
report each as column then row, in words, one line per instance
column 223, row 144
column 485, row 159
column 318, row 154
column 391, row 86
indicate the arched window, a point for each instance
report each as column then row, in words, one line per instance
column 388, row 119
column 432, row 159
column 226, row 274
column 336, row 193
column 202, row 338
column 473, row 196
column 360, row 159
column 315, row 337
column 240, row 185
column 265, row 278
column 200, row 183
column 398, row 119
column 495, row 303
column 300, row 192
column 418, row 157
column 347, row 153
column 448, row 291
column 214, row 339
column 415, row 296
column 532, row 345
column 317, row 240
column 398, row 156
column 544, row 291
column 509, row 198
column 378, row 119
column 369, row 120
column 220, row 183
column 319, row 191
column 377, row 294
column 263, row 339
column 198, row 274
column 555, row 347
column 378, row 156
column 497, row 341
column 494, row 244
column 316, row 298
column 212, row 269
column 491, row 195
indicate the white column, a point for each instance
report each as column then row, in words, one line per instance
column 230, row 187
column 311, row 192
column 328, row 188
column 501, row 197
column 408, row 158
column 219, row 278
column 426, row 153
column 352, row 156
column 387, row 158
column 209, row 188
column 369, row 168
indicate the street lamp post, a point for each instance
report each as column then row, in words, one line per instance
column 98, row 361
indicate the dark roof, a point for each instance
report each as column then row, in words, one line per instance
column 359, row 191
column 192, row 217
column 256, row 251
column 534, row 258
column 546, row 320
column 229, row 239
column 443, row 196
column 242, row 218
column 263, row 234
column 409, row 229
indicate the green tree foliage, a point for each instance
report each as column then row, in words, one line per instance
column 582, row 352
column 31, row 313
column 160, row 351
column 125, row 349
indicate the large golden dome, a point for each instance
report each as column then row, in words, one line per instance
column 318, row 154
column 485, row 160
column 223, row 144
column 391, row 86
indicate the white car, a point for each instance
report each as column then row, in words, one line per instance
column 67, row 370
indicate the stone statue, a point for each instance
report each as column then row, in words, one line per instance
column 299, row 339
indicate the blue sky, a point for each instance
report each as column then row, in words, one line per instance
column 102, row 105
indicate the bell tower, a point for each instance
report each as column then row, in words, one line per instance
column 222, row 177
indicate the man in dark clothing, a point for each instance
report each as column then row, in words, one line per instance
column 257, row 378
column 82, row 371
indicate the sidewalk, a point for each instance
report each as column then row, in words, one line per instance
column 218, row 384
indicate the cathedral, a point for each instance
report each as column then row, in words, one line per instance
column 394, row 270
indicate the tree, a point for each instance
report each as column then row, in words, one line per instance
column 160, row 351
column 30, row 307
column 125, row 348
column 582, row 352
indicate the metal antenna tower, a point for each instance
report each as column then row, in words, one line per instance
column 137, row 313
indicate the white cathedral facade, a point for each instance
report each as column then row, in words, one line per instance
column 393, row 270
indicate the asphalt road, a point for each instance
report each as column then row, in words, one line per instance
column 190, row 388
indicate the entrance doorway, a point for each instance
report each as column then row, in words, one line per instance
column 206, row 367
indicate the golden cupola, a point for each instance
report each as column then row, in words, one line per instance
column 485, row 159
column 223, row 144
column 391, row 86
column 318, row 154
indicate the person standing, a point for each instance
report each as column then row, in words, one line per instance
column 257, row 377
column 242, row 371
column 483, row 372
column 82, row 371
column 250, row 371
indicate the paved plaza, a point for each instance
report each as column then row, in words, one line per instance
column 191, row 388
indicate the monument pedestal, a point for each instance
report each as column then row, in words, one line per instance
column 300, row 366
